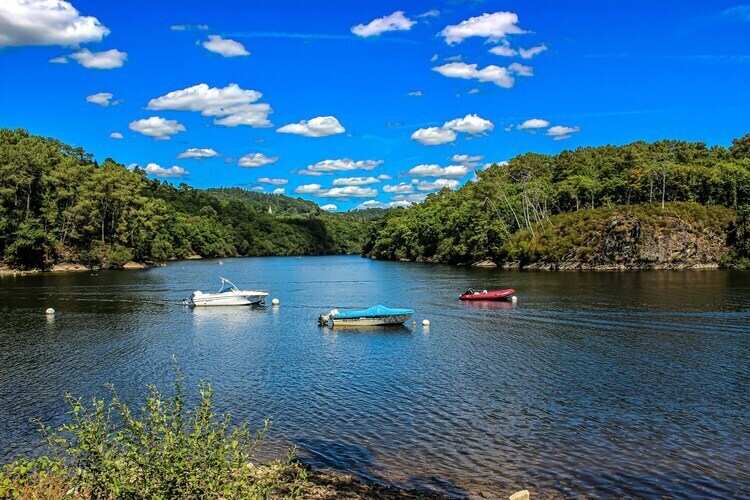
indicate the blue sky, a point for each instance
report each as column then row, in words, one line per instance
column 600, row 73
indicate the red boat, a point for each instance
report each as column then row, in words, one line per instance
column 488, row 295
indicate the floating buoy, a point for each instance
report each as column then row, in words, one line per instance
column 514, row 299
column 275, row 302
column 425, row 322
column 49, row 311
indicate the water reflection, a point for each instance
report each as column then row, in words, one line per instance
column 608, row 384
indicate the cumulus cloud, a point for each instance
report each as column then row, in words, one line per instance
column 342, row 165
column 279, row 191
column 503, row 50
column 533, row 51
column 385, row 177
column 106, row 59
column 453, row 171
column 319, row 126
column 411, row 198
column 198, row 154
column 273, row 182
column 224, row 46
column 157, row 127
column 230, row 106
column 470, row 124
column 415, row 93
column 560, row 132
column 467, row 160
column 494, row 26
column 59, row 60
column 533, row 124
column 379, row 204
column 115, row 135
column 157, row 171
column 437, row 184
column 252, row 160
column 498, row 75
column 433, row 136
column 330, row 207
column 355, row 181
column 395, row 22
column 400, row 188
column 318, row 191
column 521, row 70
column 46, row 22
column 102, row 99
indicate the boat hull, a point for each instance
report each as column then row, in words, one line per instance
column 210, row 300
column 494, row 295
column 371, row 320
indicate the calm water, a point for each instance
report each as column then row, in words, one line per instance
column 602, row 383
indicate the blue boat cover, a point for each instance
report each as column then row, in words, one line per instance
column 374, row 311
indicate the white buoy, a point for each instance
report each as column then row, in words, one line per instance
column 425, row 322
column 49, row 311
column 275, row 302
column 514, row 299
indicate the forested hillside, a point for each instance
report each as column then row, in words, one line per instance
column 58, row 204
column 476, row 222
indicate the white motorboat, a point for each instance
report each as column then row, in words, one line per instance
column 228, row 295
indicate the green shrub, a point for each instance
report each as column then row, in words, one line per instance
column 165, row 450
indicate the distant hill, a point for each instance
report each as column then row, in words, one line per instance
column 279, row 204
column 57, row 204
column 550, row 208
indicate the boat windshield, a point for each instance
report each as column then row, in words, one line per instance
column 226, row 286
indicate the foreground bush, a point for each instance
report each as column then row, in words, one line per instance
column 164, row 450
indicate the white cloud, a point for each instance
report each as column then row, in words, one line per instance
column 102, row 99
column 46, row 22
column 395, row 22
column 318, row 191
column 379, row 204
column 59, row 60
column 198, row 154
column 454, row 58
column 411, row 198
column 106, row 59
column 560, row 132
column 355, row 181
column 496, row 74
column 503, row 50
column 470, row 124
column 330, row 207
column 342, row 165
column 231, row 106
column 252, row 160
column 430, row 13
column 157, row 171
column 531, row 52
column 415, row 93
column 437, row 184
column 433, row 136
column 494, row 26
column 115, row 135
column 400, row 188
column 533, row 124
column 467, row 160
column 224, row 46
column 258, row 188
column 455, row 171
column 320, row 126
column 157, row 127
column 184, row 27
column 521, row 70
column 273, row 182
column 473, row 91
column 279, row 191
column 385, row 177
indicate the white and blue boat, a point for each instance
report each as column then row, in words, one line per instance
column 378, row 315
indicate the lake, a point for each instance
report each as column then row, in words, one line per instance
column 603, row 383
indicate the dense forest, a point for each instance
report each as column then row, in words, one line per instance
column 512, row 211
column 58, row 204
